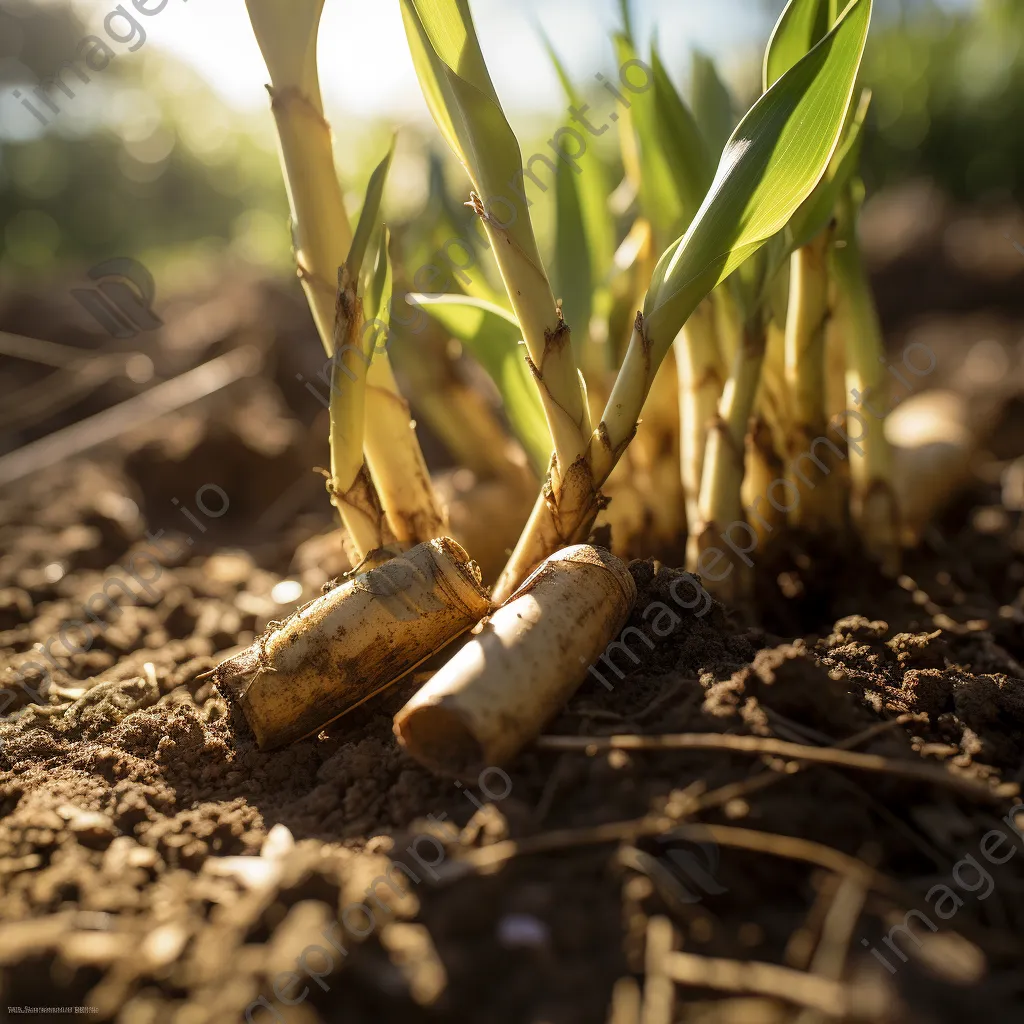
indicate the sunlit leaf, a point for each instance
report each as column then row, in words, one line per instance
column 712, row 104
column 771, row 164
column 492, row 337
column 572, row 272
column 465, row 107
column 626, row 10
column 659, row 195
column 819, row 208
column 584, row 228
column 686, row 152
column 801, row 26
column 369, row 215
column 377, row 302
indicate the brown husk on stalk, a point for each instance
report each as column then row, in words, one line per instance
column 354, row 641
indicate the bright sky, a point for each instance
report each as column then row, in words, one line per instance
column 365, row 64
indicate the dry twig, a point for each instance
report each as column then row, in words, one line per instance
column 762, row 745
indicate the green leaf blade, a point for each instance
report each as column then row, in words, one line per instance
column 659, row 196
column 573, row 271
column 712, row 104
column 772, row 163
column 687, row 154
column 464, row 105
column 369, row 215
column 493, row 338
column 800, row 27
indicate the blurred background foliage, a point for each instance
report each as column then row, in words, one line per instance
column 949, row 100
column 154, row 164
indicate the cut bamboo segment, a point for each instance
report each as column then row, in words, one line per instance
column 497, row 692
column 933, row 445
column 353, row 642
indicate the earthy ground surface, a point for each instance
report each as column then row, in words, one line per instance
column 156, row 867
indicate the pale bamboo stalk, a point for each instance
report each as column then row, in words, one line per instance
column 767, row 438
column 396, row 460
column 701, row 374
column 359, row 638
column 496, row 693
column 822, row 497
column 553, row 524
column 503, row 209
column 349, row 485
column 728, row 321
column 548, row 346
column 720, row 503
column 569, row 521
column 774, row 401
column 763, row 468
column 322, row 238
column 873, row 501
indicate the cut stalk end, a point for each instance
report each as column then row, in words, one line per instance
column 351, row 643
column 530, row 655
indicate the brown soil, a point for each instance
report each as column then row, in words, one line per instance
column 158, row 868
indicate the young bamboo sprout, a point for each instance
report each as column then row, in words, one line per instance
column 720, row 502
column 287, row 36
column 821, row 496
column 771, row 165
column 701, row 374
column 462, row 100
column 359, row 638
column 350, row 485
column 497, row 692
column 873, row 506
column 349, row 644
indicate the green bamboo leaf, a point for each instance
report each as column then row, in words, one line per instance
column 592, row 186
column 626, row 10
column 584, row 228
column 493, row 338
column 686, row 152
column 712, row 104
column 819, row 209
column 377, row 303
column 771, row 164
column 463, row 103
column 572, row 271
column 568, row 87
column 369, row 215
column 446, row 239
column 659, row 195
column 801, row 26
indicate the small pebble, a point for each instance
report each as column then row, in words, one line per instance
column 279, row 843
